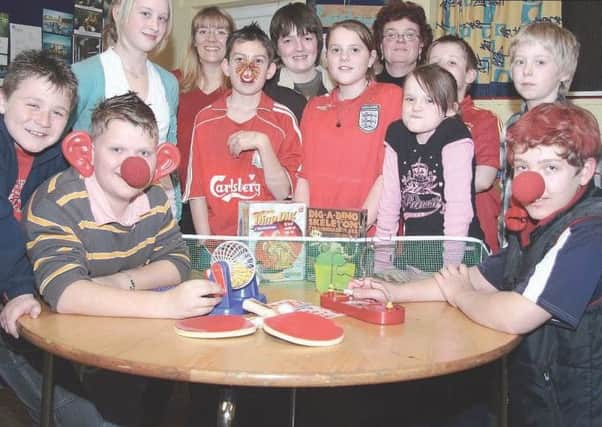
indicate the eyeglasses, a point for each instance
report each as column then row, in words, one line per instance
column 408, row 36
column 219, row 33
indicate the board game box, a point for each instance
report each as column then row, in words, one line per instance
column 278, row 260
column 349, row 223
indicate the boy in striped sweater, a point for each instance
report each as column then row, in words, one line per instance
column 94, row 238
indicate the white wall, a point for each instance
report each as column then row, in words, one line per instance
column 261, row 13
column 243, row 12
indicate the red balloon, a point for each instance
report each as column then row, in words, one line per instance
column 135, row 171
column 528, row 187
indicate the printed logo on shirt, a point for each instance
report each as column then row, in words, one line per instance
column 419, row 197
column 14, row 197
column 368, row 119
column 227, row 189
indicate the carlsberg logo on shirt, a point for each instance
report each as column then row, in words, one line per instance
column 228, row 189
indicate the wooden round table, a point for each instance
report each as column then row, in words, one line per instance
column 435, row 339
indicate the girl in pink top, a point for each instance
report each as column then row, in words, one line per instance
column 428, row 172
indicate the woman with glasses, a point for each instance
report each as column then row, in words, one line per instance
column 201, row 81
column 402, row 39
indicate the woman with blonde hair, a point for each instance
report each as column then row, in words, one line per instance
column 135, row 29
column 201, row 80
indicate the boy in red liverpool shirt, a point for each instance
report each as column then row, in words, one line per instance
column 244, row 146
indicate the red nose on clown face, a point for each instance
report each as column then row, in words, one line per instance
column 528, row 187
column 247, row 71
column 136, row 172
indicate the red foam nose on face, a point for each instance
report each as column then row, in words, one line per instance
column 528, row 187
column 135, row 171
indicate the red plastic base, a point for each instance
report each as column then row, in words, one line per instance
column 367, row 310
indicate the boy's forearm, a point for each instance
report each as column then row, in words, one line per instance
column 200, row 216
column 421, row 290
column 508, row 312
column 484, row 177
column 276, row 177
column 371, row 202
column 89, row 298
column 154, row 275
column 302, row 191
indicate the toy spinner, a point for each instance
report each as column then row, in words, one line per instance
column 233, row 267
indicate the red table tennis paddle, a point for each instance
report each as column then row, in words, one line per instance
column 304, row 329
column 218, row 326
column 296, row 327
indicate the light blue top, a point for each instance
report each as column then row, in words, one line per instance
column 91, row 90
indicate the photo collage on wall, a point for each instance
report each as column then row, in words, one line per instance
column 57, row 28
column 4, row 31
column 87, row 29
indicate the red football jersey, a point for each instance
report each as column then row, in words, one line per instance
column 224, row 180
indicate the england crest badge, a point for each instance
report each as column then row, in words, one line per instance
column 368, row 119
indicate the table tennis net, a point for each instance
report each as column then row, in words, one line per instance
column 337, row 260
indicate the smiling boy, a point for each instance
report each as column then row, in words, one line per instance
column 38, row 95
column 245, row 146
column 547, row 283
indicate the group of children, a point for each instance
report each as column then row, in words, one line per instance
column 421, row 157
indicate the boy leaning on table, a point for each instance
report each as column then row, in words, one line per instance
column 38, row 94
column 98, row 240
column 547, row 283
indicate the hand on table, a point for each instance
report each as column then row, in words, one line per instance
column 370, row 288
column 193, row 298
column 452, row 281
column 17, row 307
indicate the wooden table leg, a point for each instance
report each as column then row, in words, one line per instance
column 47, row 389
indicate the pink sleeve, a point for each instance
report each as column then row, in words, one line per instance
column 457, row 175
column 387, row 217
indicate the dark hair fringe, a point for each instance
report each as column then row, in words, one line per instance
column 248, row 33
column 44, row 65
column 127, row 107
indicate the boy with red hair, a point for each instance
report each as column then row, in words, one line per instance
column 529, row 287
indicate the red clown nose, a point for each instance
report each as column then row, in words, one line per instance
column 135, row 171
column 528, row 187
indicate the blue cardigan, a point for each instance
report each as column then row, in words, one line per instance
column 91, row 91
column 16, row 274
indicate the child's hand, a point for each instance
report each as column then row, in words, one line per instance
column 193, row 298
column 245, row 140
column 452, row 281
column 370, row 289
column 17, row 307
